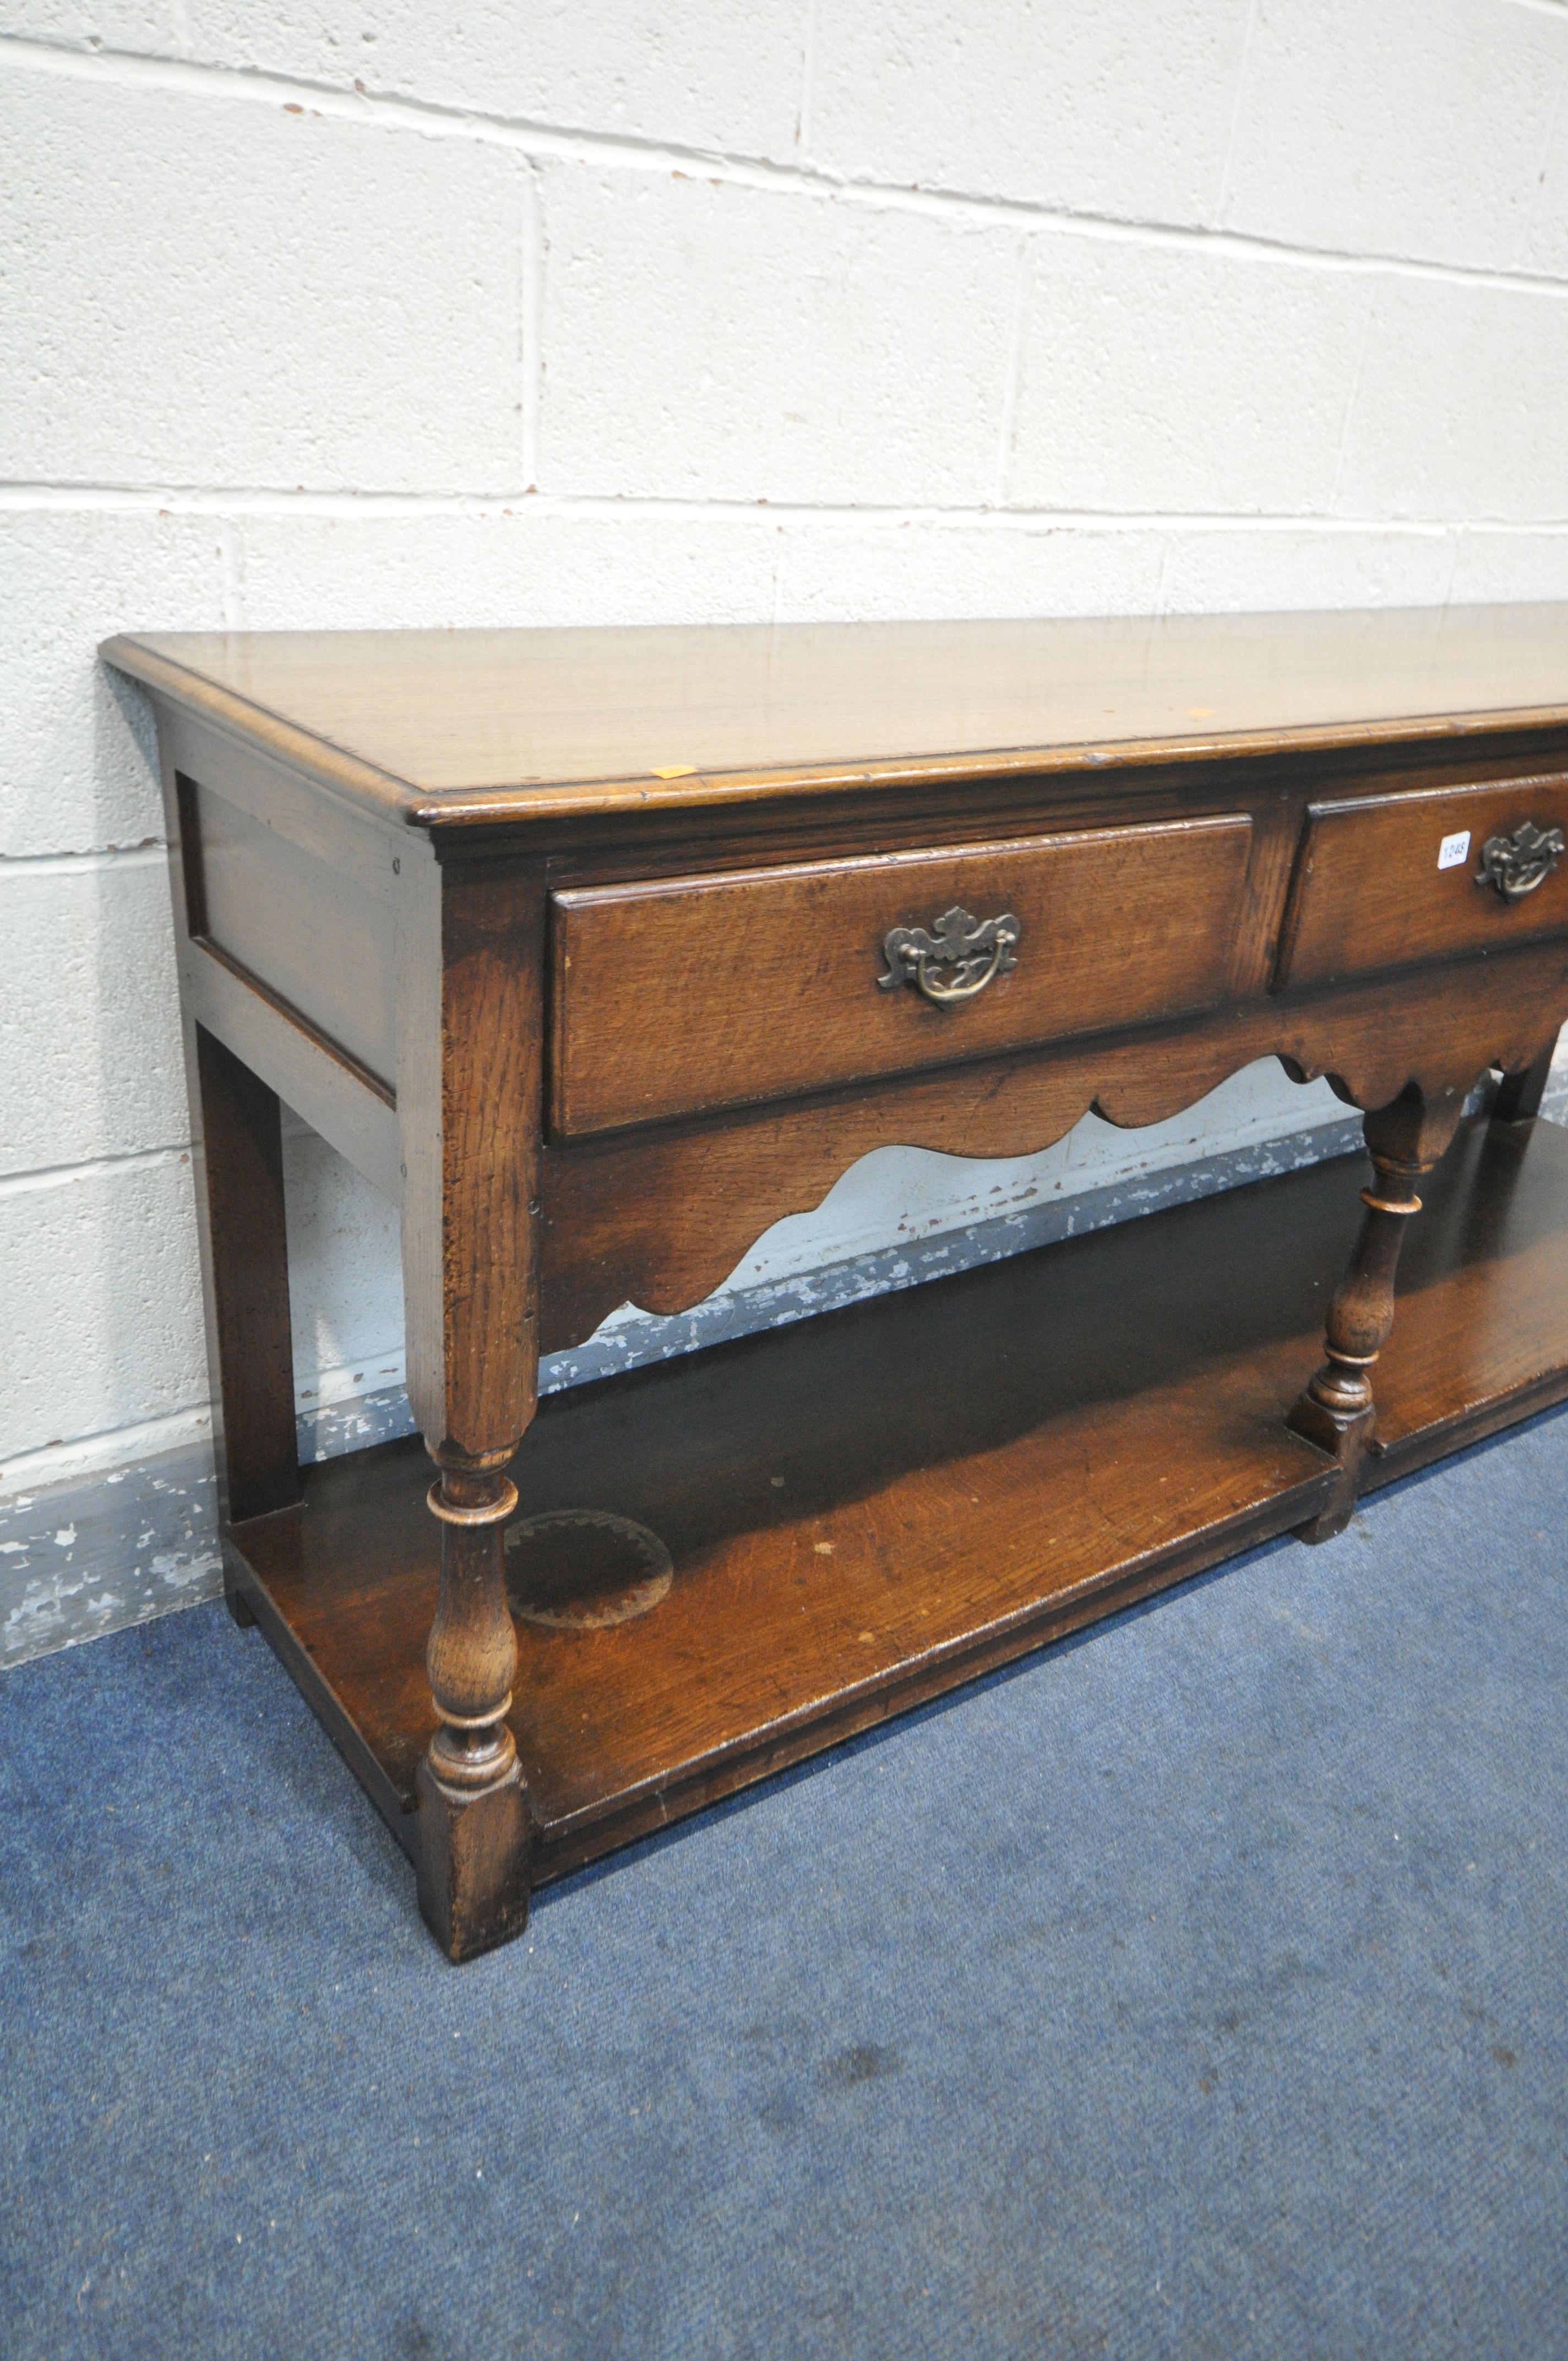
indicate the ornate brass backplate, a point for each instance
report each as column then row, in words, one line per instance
column 954, row 962
column 1517, row 865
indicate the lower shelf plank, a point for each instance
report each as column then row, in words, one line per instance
column 867, row 1508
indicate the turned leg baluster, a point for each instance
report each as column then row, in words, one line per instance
column 473, row 1854
column 470, row 1029
column 1337, row 1410
column 472, row 1654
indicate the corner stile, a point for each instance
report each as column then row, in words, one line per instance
column 470, row 1067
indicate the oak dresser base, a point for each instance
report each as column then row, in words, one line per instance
column 598, row 952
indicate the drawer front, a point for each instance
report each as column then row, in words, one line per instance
column 1386, row 880
column 712, row 992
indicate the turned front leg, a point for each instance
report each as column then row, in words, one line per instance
column 474, row 1838
column 1337, row 1412
column 472, row 1654
column 470, row 1026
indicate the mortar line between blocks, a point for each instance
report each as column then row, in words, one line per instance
column 531, row 324
column 196, row 500
column 1007, row 433
column 101, row 1454
column 807, row 80
column 614, row 151
column 65, row 1176
column 152, row 854
column 1223, row 199
column 1353, row 395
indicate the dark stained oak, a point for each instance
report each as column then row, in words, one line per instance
column 599, row 952
column 241, row 1226
column 704, row 991
column 659, row 1219
column 1337, row 1410
column 1519, row 1094
column 1109, row 1416
column 470, row 1030
column 464, row 728
column 326, row 948
column 1370, row 892
column 239, row 1162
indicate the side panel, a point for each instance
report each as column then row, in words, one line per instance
column 317, row 940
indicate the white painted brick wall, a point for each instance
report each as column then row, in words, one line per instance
column 589, row 311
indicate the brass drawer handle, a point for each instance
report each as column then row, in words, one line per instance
column 972, row 950
column 1517, row 865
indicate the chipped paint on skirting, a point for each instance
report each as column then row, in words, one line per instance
column 95, row 1553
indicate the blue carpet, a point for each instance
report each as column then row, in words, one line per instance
column 1196, row 1989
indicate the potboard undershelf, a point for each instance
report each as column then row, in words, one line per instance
column 868, row 1508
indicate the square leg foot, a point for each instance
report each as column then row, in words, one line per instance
column 1346, row 1439
column 472, row 1856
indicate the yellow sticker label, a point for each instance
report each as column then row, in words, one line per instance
column 677, row 771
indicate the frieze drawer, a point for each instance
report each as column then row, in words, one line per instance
column 1390, row 881
column 710, row 992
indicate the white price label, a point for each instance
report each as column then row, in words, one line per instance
column 1454, row 849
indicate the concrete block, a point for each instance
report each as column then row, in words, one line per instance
column 1459, row 411
column 839, row 571
column 90, row 1055
column 1157, row 377
column 345, row 1278
column 1413, row 128
column 526, row 566
column 1508, row 566
column 1117, row 111
column 705, row 75
column 146, row 28
column 853, row 570
column 737, row 343
column 1544, row 246
column 78, row 766
column 102, row 1288
column 1260, row 569
column 204, row 292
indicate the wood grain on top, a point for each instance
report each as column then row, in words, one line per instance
column 473, row 725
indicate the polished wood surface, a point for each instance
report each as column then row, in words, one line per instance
column 660, row 1218
column 1371, row 891
column 574, row 944
column 471, row 1031
column 706, row 991
column 872, row 1506
column 286, row 920
column 467, row 726
column 241, row 1220
column 1338, row 1410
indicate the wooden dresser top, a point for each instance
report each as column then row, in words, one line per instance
column 441, row 728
